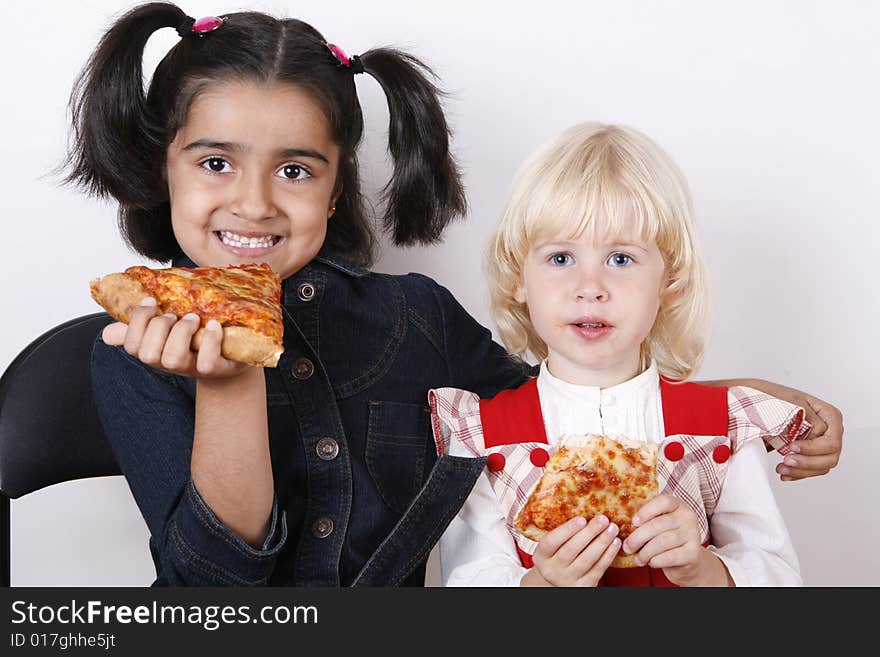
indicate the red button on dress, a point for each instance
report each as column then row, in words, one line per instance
column 674, row 451
column 496, row 462
column 539, row 456
column 721, row 454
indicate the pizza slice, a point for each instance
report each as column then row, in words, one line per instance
column 588, row 476
column 245, row 299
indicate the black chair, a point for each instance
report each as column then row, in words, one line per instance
column 49, row 428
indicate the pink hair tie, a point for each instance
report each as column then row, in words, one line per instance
column 352, row 63
column 201, row 26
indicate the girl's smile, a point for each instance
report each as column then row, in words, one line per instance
column 248, row 243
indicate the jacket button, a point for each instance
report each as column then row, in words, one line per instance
column 539, row 457
column 302, row 369
column 306, row 292
column 674, row 451
column 495, row 462
column 322, row 528
column 721, row 454
column 327, row 449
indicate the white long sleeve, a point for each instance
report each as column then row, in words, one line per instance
column 477, row 549
column 748, row 527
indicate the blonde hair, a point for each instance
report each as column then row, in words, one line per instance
column 593, row 171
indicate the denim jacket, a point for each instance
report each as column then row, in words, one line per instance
column 360, row 495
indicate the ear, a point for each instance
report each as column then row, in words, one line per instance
column 337, row 192
column 519, row 294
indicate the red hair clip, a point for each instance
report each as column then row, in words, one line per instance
column 201, row 27
column 207, row 24
column 339, row 54
column 353, row 62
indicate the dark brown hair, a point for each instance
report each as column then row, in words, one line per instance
column 121, row 134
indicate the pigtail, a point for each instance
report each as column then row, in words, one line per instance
column 117, row 147
column 425, row 192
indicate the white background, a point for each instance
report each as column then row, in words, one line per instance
column 771, row 108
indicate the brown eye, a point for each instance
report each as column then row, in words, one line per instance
column 293, row 172
column 215, row 164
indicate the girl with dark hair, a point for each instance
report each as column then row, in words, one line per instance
column 321, row 471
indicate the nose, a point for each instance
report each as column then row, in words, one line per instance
column 591, row 286
column 252, row 198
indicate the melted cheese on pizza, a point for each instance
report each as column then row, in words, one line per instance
column 588, row 476
column 246, row 295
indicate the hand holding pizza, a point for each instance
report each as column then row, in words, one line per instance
column 164, row 342
column 577, row 553
column 667, row 536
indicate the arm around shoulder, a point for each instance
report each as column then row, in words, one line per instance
column 820, row 452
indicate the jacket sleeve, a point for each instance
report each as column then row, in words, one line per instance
column 476, row 362
column 148, row 417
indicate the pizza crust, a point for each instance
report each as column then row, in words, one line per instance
column 119, row 294
column 244, row 345
column 624, row 561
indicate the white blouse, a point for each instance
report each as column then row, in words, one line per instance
column 747, row 529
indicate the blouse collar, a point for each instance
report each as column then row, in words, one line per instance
column 635, row 387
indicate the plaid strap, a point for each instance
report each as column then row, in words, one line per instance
column 455, row 415
column 752, row 414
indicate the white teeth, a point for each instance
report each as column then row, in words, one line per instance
column 242, row 242
column 596, row 325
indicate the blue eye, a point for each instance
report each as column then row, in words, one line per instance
column 293, row 172
column 216, row 165
column 619, row 260
column 561, row 259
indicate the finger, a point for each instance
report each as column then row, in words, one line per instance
column 821, row 446
column 114, row 334
column 569, row 550
column 553, row 540
column 663, row 542
column 599, row 526
column 671, row 558
column 830, row 415
column 137, row 324
column 793, row 463
column 152, row 342
column 209, row 360
column 654, row 507
column 649, row 530
column 792, row 474
column 594, row 574
column 592, row 551
column 177, row 355
column 817, row 424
